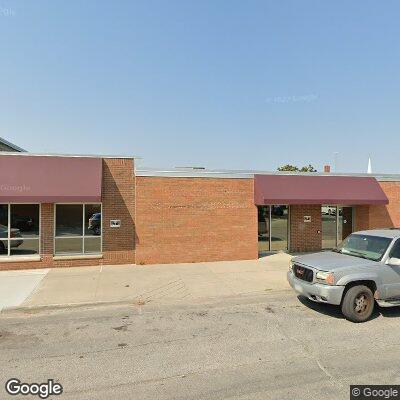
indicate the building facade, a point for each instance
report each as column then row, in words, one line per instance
column 64, row 211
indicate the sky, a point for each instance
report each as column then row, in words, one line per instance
column 218, row 84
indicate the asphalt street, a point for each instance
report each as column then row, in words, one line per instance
column 270, row 346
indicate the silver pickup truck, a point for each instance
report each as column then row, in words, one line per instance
column 363, row 269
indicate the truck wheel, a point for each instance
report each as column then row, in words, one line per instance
column 358, row 303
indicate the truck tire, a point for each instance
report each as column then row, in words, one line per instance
column 358, row 303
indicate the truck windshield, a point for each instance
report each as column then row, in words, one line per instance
column 364, row 246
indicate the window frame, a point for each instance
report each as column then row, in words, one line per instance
column 83, row 236
column 9, row 239
column 393, row 248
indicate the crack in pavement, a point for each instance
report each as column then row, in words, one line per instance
column 334, row 381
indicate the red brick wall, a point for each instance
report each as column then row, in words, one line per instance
column 118, row 199
column 371, row 217
column 118, row 203
column 195, row 219
column 304, row 236
column 387, row 216
column 361, row 218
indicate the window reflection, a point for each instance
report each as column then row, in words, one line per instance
column 337, row 224
column 19, row 229
column 92, row 220
column 273, row 228
column 25, row 218
column 78, row 229
column 69, row 220
column 328, row 216
column 279, row 227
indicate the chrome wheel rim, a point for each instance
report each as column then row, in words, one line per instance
column 361, row 303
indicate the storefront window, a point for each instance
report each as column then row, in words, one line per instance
column 19, row 229
column 78, row 229
column 69, row 220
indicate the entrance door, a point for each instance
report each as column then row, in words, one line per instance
column 273, row 228
column 337, row 224
column 345, row 222
column 329, row 231
column 264, row 229
column 279, row 227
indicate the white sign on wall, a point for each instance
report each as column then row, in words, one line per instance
column 307, row 218
column 115, row 223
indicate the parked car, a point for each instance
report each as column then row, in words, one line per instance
column 14, row 233
column 327, row 210
column 95, row 224
column 362, row 270
column 277, row 210
column 23, row 223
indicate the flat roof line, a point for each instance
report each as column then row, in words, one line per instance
column 9, row 153
column 189, row 173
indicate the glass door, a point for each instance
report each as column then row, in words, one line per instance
column 263, row 229
column 337, row 224
column 329, row 227
column 345, row 222
column 279, row 227
column 273, row 228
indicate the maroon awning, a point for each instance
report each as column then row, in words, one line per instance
column 300, row 189
column 49, row 179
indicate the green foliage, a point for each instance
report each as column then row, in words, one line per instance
column 293, row 168
column 308, row 168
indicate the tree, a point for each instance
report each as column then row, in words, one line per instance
column 308, row 168
column 293, row 168
column 288, row 167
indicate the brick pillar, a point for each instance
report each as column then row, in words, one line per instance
column 305, row 236
column 118, row 198
column 361, row 216
column 47, row 233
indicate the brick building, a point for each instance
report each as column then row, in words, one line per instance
column 65, row 210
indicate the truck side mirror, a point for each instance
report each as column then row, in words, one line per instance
column 393, row 261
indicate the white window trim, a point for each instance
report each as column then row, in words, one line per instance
column 22, row 257
column 82, row 237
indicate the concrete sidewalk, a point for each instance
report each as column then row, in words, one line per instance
column 155, row 283
column 17, row 286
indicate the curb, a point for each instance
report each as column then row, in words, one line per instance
column 138, row 302
column 51, row 307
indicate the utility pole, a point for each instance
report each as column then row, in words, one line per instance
column 335, row 160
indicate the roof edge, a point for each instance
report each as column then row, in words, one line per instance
column 12, row 145
column 26, row 154
column 243, row 174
